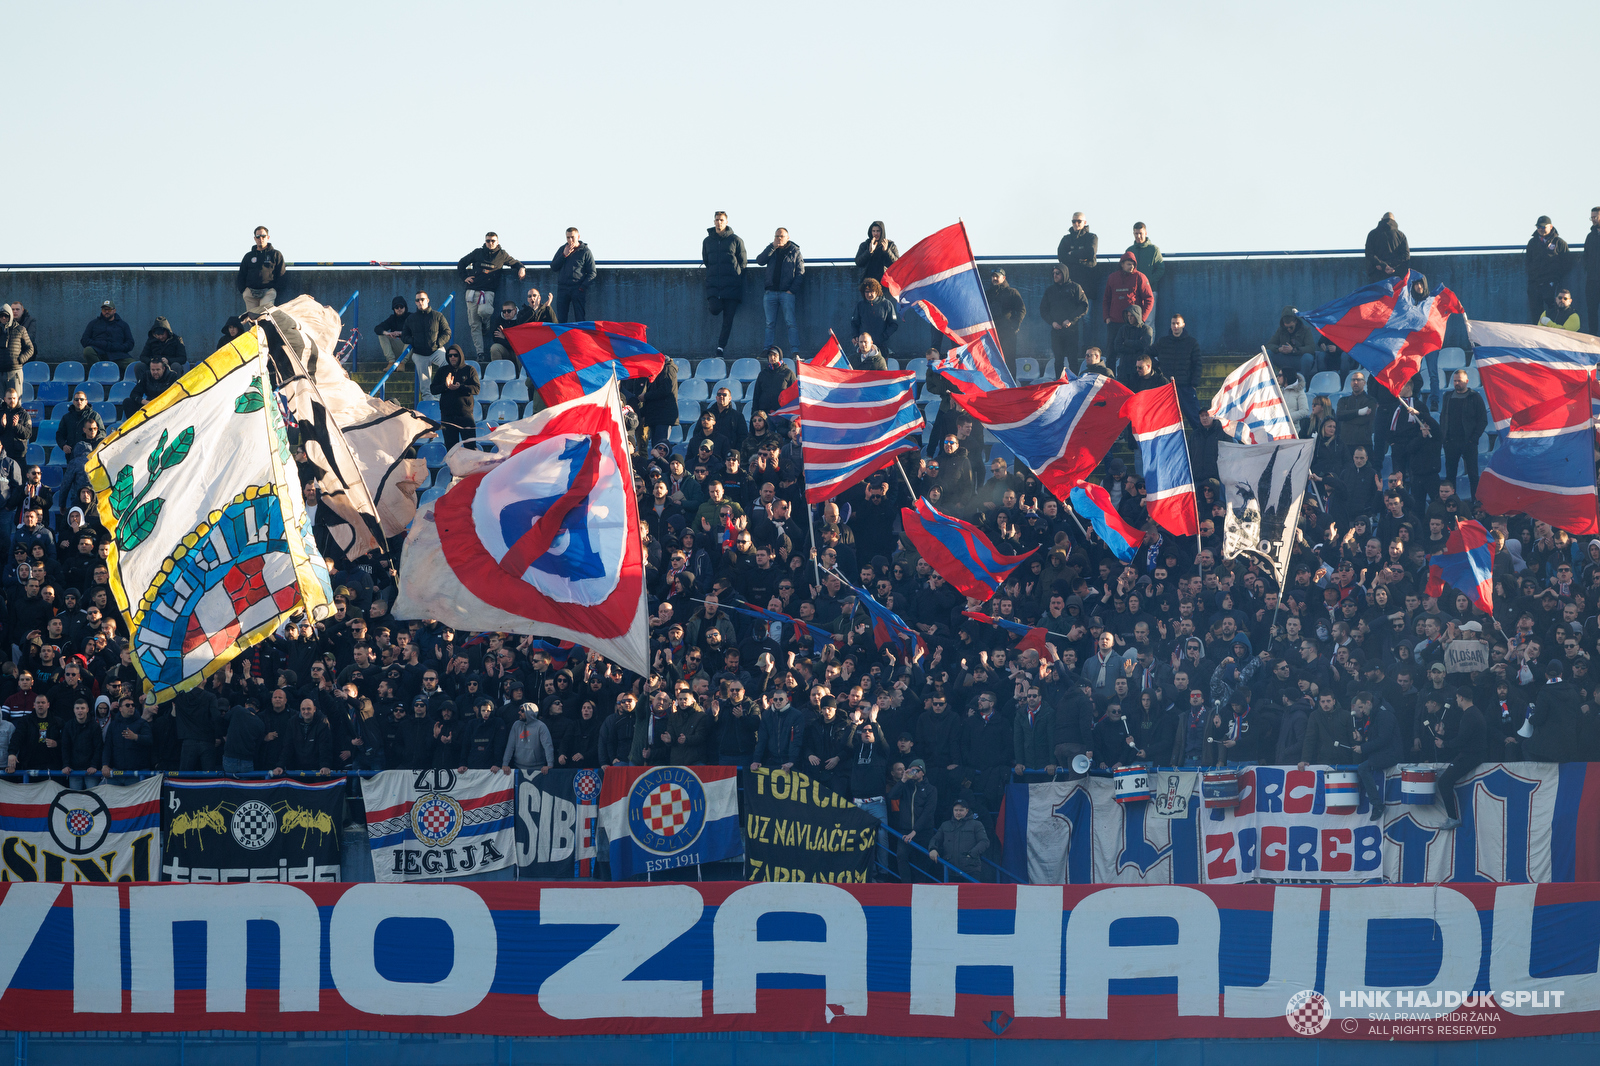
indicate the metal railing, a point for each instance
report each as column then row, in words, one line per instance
column 380, row 390
column 943, row 868
column 1107, row 257
column 354, row 327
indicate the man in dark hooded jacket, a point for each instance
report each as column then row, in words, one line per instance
column 1388, row 253
column 1293, row 344
column 1009, row 309
column 1547, row 263
column 162, row 343
column 1177, row 353
column 767, row 391
column 1133, row 340
column 456, row 384
column 1125, row 288
column 1063, row 306
column 723, row 254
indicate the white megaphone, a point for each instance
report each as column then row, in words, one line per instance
column 1526, row 730
column 1080, row 763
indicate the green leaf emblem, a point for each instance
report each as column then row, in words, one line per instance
column 140, row 524
column 122, row 492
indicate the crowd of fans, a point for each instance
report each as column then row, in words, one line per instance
column 1180, row 657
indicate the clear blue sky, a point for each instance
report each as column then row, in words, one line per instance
column 402, row 131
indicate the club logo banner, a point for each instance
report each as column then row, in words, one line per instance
column 49, row 832
column 439, row 822
column 664, row 817
column 555, row 824
column 798, row 829
column 225, row 831
column 1075, row 832
column 1030, row 962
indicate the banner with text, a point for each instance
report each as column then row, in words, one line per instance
column 555, row 824
column 1033, row 962
column 1075, row 832
column 49, row 832
column 221, row 831
column 1287, row 827
column 439, row 822
column 798, row 829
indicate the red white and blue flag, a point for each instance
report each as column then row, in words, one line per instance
column 540, row 537
column 853, row 422
column 938, row 278
column 819, row 638
column 829, row 355
column 958, row 550
column 1386, row 329
column 1539, row 386
column 970, row 370
column 1094, row 503
column 1059, row 429
column 667, row 817
column 1033, row 637
column 1250, row 400
column 1169, row 481
column 889, row 630
column 572, row 359
column 1467, row 563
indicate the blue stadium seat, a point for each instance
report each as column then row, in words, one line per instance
column 120, row 391
column 482, row 430
column 46, row 430
column 892, row 364
column 70, row 371
column 503, row 411
column 1027, row 370
column 433, row 493
column 1324, row 384
column 93, row 390
column 684, row 370
column 1450, row 360
column 688, row 411
column 919, row 367
column 694, row 389
column 35, row 372
column 515, row 391
column 1473, row 381
column 106, row 410
column 433, row 453
column 488, row 391
column 34, row 409
column 429, row 409
column 26, row 395
column 675, row 434
column 105, row 372
column 59, row 411
column 51, row 391
column 36, row 455
column 745, row 369
column 53, row 477
column 712, row 369
column 500, row 370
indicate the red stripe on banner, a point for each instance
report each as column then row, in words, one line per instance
column 1587, row 866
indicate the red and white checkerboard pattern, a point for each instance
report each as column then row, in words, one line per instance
column 1308, row 1013
column 438, row 819
column 666, row 810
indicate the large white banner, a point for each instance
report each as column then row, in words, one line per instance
column 440, row 823
column 49, row 832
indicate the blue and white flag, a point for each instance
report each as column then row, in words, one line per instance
column 1251, row 400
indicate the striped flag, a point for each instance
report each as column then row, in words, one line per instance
column 889, row 630
column 1169, row 480
column 1250, row 399
column 829, row 355
column 1059, row 429
column 958, row 550
column 969, row 369
column 938, row 279
column 1538, row 383
column 853, row 422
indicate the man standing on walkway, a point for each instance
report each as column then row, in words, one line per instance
column 1148, row 256
column 723, row 255
column 785, row 269
column 573, row 264
column 427, row 331
column 480, row 271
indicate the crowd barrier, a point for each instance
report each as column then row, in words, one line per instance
column 1029, row 962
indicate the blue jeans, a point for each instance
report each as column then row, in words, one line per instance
column 238, row 766
column 771, row 304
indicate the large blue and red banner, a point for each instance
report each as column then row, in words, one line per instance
column 1445, row 962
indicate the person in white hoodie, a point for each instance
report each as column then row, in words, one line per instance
column 1294, row 398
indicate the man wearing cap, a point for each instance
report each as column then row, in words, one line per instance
column 1546, row 261
column 914, row 801
column 259, row 273
column 480, row 271
column 1009, row 309
column 962, row 840
column 390, row 329
column 528, row 746
column 106, row 336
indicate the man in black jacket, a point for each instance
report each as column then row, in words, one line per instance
column 162, row 343
column 1177, row 352
column 574, row 269
column 1009, row 309
column 427, row 332
column 1388, row 252
column 1079, row 252
column 916, row 803
column 1547, row 263
column 1462, row 420
column 723, row 255
column 390, row 332
column 106, row 336
column 197, row 730
column 1454, row 734
column 480, row 271
column 259, row 273
column 456, row 384
column 310, row 742
column 786, row 267
column 775, row 376
column 1063, row 306
column 1591, row 271
column 149, row 386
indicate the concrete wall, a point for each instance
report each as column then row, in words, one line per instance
column 1230, row 304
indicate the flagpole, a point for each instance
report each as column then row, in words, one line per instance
column 816, row 556
column 898, row 465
